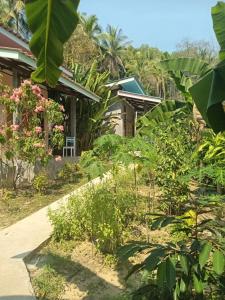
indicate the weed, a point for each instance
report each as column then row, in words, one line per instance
column 48, row 284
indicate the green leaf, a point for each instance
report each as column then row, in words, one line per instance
column 161, row 275
column 218, row 262
column 198, row 285
column 184, row 264
column 153, row 259
column 204, row 254
column 209, row 94
column 170, row 274
column 131, row 249
column 218, row 16
column 166, row 275
column 182, row 286
column 51, row 22
column 193, row 66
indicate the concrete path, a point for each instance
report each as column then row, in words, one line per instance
column 20, row 240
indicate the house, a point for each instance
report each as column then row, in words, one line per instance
column 132, row 103
column 17, row 63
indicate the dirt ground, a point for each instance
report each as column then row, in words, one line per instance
column 88, row 274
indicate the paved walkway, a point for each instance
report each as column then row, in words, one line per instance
column 20, row 240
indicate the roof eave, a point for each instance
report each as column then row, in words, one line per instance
column 17, row 55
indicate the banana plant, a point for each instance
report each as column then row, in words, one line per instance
column 166, row 110
column 51, row 22
column 199, row 81
column 93, row 120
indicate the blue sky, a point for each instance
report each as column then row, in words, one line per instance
column 159, row 23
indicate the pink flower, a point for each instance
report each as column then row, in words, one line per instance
column 14, row 127
column 18, row 92
column 59, row 128
column 38, row 145
column 38, row 129
column 61, row 107
column 36, row 90
column 15, row 98
column 26, row 82
column 58, row 158
column 1, row 131
column 39, row 109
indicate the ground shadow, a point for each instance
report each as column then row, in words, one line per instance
column 82, row 277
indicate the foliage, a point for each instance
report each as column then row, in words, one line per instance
column 92, row 118
column 173, row 137
column 23, row 136
column 112, row 42
column 163, row 112
column 70, row 172
column 194, row 267
column 101, row 214
column 48, row 284
column 58, row 21
column 80, row 49
column 90, row 26
column 40, row 183
column 208, row 93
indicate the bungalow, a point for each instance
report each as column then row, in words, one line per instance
column 132, row 102
column 17, row 63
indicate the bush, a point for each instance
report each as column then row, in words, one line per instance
column 48, row 284
column 101, row 215
column 40, row 183
column 70, row 172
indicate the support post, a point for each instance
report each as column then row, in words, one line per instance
column 73, row 120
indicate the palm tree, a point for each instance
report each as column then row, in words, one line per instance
column 90, row 26
column 112, row 44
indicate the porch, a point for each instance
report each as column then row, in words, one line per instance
column 17, row 65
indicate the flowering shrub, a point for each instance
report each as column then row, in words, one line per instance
column 23, row 137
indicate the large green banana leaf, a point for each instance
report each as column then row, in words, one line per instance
column 218, row 16
column 209, row 92
column 51, row 22
column 182, row 70
column 161, row 113
column 193, row 66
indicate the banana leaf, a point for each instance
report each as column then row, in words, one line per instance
column 209, row 92
column 51, row 22
column 209, row 95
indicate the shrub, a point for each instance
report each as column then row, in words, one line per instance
column 192, row 268
column 40, row 183
column 101, row 215
column 70, row 172
column 48, row 284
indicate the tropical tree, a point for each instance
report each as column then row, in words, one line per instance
column 90, row 26
column 112, row 44
column 80, row 49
